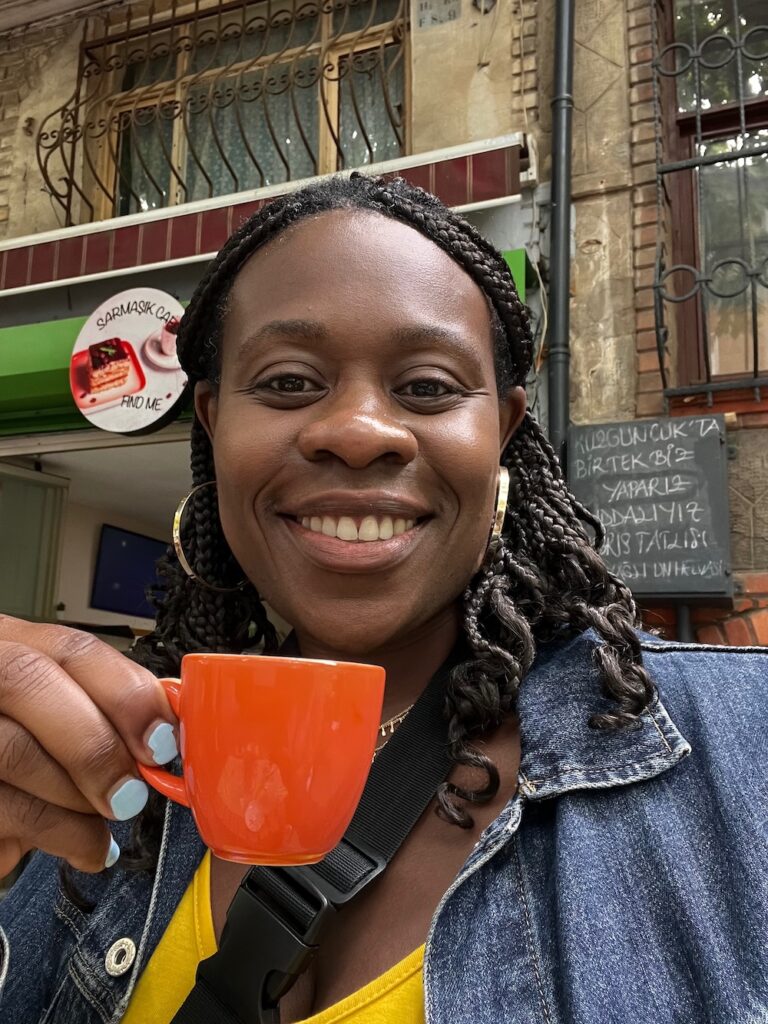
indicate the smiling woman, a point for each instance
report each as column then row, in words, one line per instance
column 358, row 354
column 384, row 404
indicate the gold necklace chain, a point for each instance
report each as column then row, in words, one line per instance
column 386, row 729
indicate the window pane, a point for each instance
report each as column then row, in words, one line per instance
column 148, row 62
column 30, row 516
column 260, row 30
column 352, row 15
column 371, row 106
column 731, row 40
column 247, row 94
column 144, row 148
column 734, row 227
column 246, row 131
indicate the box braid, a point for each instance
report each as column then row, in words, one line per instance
column 545, row 577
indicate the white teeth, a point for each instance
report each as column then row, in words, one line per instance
column 386, row 529
column 372, row 528
column 346, row 530
column 369, row 529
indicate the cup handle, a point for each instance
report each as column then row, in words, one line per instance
column 169, row 785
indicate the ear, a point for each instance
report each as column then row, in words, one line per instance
column 511, row 411
column 206, row 407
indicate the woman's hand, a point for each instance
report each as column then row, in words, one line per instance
column 74, row 717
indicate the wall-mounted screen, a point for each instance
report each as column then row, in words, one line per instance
column 125, row 567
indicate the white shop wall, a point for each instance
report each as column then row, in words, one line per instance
column 82, row 530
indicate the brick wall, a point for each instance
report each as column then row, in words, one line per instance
column 37, row 72
column 645, row 221
column 524, row 62
column 12, row 82
column 743, row 625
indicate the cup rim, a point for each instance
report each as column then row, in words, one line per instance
column 197, row 655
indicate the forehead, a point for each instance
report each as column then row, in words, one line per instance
column 356, row 265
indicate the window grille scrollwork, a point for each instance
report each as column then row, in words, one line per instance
column 180, row 101
column 711, row 95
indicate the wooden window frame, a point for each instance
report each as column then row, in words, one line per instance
column 679, row 137
column 117, row 102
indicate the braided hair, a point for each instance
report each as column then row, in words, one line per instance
column 545, row 577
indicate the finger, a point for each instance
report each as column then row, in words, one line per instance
column 11, row 853
column 127, row 694
column 81, row 839
column 28, row 766
column 38, row 694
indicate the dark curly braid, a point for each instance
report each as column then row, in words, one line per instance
column 545, row 577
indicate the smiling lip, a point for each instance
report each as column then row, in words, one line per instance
column 357, row 503
column 352, row 556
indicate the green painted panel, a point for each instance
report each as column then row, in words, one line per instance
column 34, row 377
column 516, row 260
column 522, row 271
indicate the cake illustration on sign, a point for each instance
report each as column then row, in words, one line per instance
column 108, row 365
column 124, row 373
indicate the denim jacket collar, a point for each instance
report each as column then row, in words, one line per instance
column 560, row 752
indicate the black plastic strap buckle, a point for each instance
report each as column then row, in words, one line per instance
column 261, row 954
column 347, row 869
column 276, row 919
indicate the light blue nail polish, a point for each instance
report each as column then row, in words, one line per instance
column 128, row 799
column 162, row 743
column 113, row 854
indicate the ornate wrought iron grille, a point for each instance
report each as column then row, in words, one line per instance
column 711, row 277
column 180, row 100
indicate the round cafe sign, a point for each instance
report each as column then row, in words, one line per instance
column 124, row 373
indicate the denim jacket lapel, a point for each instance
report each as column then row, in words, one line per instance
column 560, row 752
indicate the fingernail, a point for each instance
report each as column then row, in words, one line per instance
column 162, row 743
column 113, row 854
column 128, row 799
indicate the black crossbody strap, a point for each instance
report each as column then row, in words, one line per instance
column 275, row 921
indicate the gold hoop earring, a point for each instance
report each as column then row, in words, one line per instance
column 502, row 496
column 176, row 533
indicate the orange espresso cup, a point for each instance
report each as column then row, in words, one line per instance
column 275, row 751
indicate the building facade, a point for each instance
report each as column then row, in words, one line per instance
column 134, row 136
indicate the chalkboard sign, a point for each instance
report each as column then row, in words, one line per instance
column 660, row 489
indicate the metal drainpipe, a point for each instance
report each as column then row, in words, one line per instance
column 560, row 247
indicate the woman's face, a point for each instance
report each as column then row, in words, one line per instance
column 357, row 428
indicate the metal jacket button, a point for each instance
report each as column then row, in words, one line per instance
column 120, row 956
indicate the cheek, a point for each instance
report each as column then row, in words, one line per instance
column 473, row 470
column 245, row 460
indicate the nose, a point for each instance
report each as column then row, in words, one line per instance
column 359, row 430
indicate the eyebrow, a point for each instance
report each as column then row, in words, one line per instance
column 426, row 334
column 299, row 330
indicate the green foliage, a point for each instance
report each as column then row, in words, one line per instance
column 710, row 26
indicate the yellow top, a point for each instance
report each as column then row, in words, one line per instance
column 397, row 995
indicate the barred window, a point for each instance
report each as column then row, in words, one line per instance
column 186, row 101
column 713, row 286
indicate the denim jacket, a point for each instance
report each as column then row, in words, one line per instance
column 626, row 882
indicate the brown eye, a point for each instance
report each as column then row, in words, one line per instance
column 287, row 384
column 430, row 387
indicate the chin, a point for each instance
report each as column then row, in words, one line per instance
column 357, row 640
column 351, row 629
